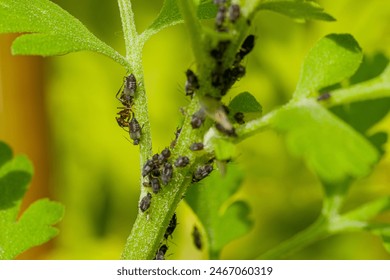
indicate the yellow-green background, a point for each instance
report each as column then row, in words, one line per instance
column 83, row 160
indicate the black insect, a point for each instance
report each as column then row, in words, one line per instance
column 246, row 47
column 324, row 96
column 135, row 131
column 166, row 173
column 128, row 92
column 234, row 13
column 228, row 132
column 192, row 83
column 239, row 118
column 218, row 52
column 198, row 119
column 197, row 238
column 163, row 157
column 182, row 161
column 127, row 100
column 171, row 227
column 130, row 86
column 155, row 184
column 145, row 202
column 230, row 76
column 196, row 146
column 148, row 167
column 160, row 255
column 220, row 18
column 202, row 172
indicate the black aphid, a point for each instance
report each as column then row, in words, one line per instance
column 197, row 238
column 196, row 146
column 246, row 47
column 160, row 255
column 148, row 167
column 171, row 227
column 155, row 184
column 134, row 131
column 227, row 132
column 198, row 119
column 165, row 154
column 202, row 172
column 234, row 13
column 155, row 158
column 182, row 161
column 145, row 202
column 192, row 83
column 324, row 96
column 130, row 86
column 166, row 173
column 239, row 118
column 220, row 18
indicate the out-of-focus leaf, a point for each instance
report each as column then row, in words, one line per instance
column 245, row 103
column 170, row 15
column 224, row 150
column 333, row 59
column 300, row 10
column 54, row 31
column 35, row 225
column 371, row 67
column 332, row 148
column 364, row 114
column 222, row 219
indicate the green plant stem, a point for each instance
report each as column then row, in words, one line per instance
column 306, row 237
column 149, row 227
column 133, row 48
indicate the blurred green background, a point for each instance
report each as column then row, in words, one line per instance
column 83, row 160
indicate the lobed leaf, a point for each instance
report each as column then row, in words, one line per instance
column 300, row 10
column 332, row 148
column 223, row 221
column 170, row 15
column 35, row 225
column 333, row 59
column 54, row 31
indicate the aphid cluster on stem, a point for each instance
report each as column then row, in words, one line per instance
column 126, row 117
column 157, row 170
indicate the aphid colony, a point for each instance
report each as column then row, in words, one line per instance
column 222, row 76
column 126, row 118
column 160, row 254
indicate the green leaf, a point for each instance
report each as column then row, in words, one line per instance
column 300, row 10
column 54, row 31
column 222, row 219
column 333, row 59
column 245, row 103
column 224, row 150
column 170, row 15
column 371, row 67
column 363, row 115
column 34, row 226
column 330, row 147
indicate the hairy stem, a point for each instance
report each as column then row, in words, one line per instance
column 149, row 227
